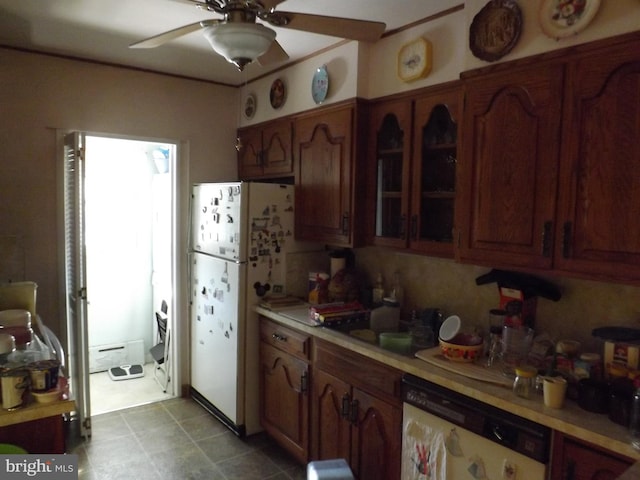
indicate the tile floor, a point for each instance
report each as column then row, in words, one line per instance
column 176, row 439
column 108, row 395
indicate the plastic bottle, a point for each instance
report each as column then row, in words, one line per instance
column 385, row 318
column 397, row 293
column 378, row 291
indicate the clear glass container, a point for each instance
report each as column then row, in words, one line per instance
column 524, row 383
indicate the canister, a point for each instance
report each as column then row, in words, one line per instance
column 14, row 382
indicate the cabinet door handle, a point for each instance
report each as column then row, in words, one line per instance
column 546, row 239
column 571, row 470
column 279, row 337
column 261, row 157
column 403, row 227
column 414, row 227
column 354, row 412
column 345, row 223
column 304, row 382
column 566, row 239
column 346, row 402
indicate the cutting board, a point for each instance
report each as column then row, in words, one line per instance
column 476, row 371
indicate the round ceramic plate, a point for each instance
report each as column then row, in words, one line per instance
column 250, row 106
column 495, row 30
column 320, row 84
column 277, row 93
column 563, row 18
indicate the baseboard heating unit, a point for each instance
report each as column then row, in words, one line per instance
column 104, row 357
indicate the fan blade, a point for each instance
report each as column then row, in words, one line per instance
column 352, row 29
column 158, row 40
column 270, row 4
column 275, row 54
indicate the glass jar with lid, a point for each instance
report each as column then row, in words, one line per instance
column 524, row 383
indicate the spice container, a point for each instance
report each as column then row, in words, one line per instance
column 524, row 383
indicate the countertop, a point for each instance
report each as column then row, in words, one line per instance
column 36, row 411
column 571, row 419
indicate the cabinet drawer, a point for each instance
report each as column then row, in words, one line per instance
column 284, row 338
column 369, row 375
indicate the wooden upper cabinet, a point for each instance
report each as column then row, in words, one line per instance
column 389, row 159
column 433, row 171
column 325, row 177
column 250, row 153
column 508, row 173
column 412, row 154
column 599, row 215
column 266, row 150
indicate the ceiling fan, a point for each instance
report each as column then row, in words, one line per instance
column 241, row 40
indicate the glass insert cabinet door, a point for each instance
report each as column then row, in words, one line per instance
column 434, row 175
column 391, row 125
column 415, row 151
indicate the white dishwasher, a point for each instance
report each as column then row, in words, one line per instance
column 448, row 436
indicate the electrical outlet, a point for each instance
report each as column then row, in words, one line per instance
column 509, row 470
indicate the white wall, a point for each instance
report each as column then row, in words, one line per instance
column 39, row 94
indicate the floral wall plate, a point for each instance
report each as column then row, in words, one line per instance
column 277, row 93
column 320, row 84
column 250, row 106
column 563, row 18
column 495, row 30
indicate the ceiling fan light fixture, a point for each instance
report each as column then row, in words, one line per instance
column 239, row 43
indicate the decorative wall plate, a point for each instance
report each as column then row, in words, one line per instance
column 414, row 60
column 563, row 18
column 320, row 84
column 277, row 93
column 495, row 30
column 250, row 106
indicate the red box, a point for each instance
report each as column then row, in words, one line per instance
column 520, row 307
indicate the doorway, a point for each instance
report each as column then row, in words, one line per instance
column 128, row 205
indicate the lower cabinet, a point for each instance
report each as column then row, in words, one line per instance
column 356, row 412
column 284, row 379
column 575, row 460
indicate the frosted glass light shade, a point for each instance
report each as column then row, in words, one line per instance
column 240, row 43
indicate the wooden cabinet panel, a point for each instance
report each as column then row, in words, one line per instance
column 330, row 427
column 574, row 460
column 284, row 338
column 376, row 444
column 599, row 195
column 389, row 167
column 284, row 392
column 433, row 171
column 266, row 150
column 250, row 153
column 325, row 174
column 356, row 413
column 277, row 148
column 508, row 175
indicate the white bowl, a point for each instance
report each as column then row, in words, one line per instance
column 450, row 328
column 49, row 396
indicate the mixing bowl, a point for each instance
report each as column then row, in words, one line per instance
column 462, row 348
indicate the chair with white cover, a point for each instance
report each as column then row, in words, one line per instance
column 160, row 351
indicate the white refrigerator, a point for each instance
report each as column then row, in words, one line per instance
column 240, row 234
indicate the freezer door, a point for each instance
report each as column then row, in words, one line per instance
column 217, row 333
column 435, row 449
column 218, row 212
